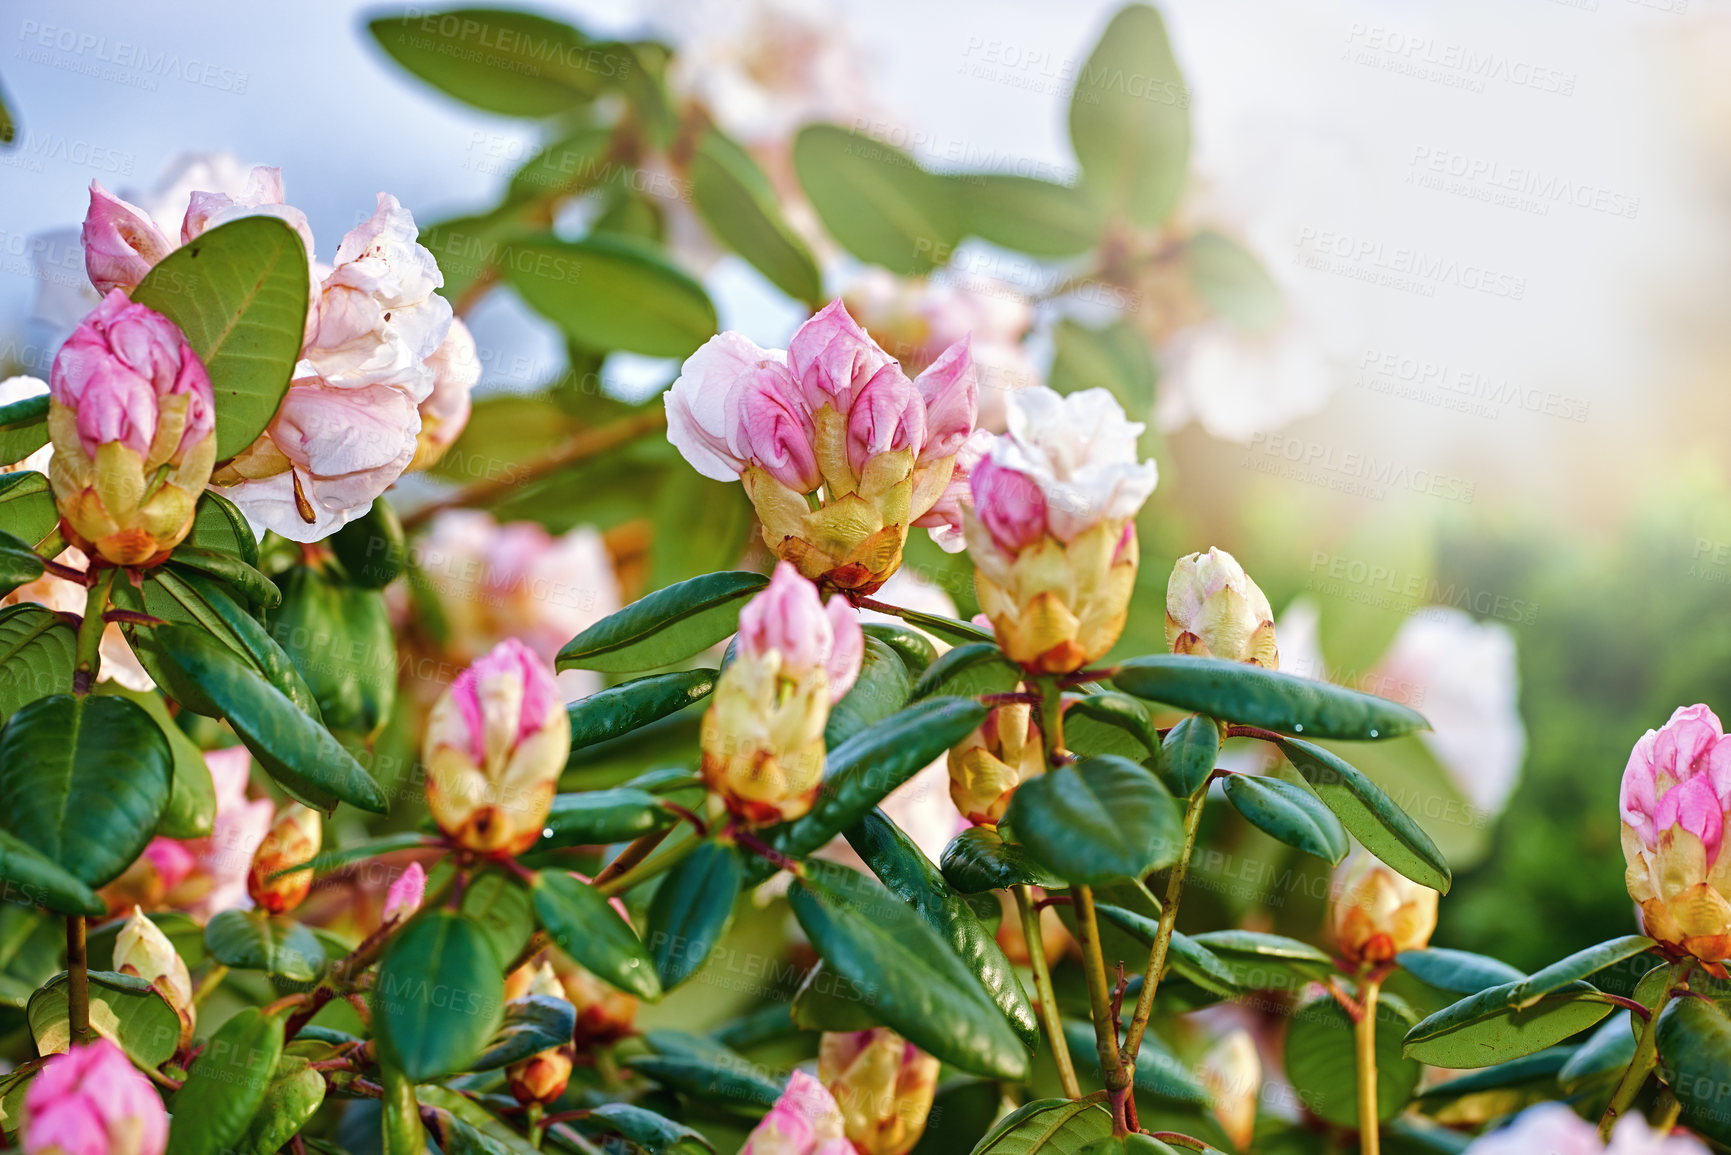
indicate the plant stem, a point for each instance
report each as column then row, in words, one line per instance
column 642, row 872
column 633, row 853
column 88, row 655
column 1052, row 722
column 1364, row 1034
column 1168, row 921
column 1044, row 994
column 77, row 977
column 1112, row 1069
column 1645, row 1053
column 212, row 979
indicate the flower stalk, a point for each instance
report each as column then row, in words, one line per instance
column 1646, row 1053
column 1163, row 933
column 1364, row 1040
column 77, row 979
column 1044, row 993
column 1112, row 1067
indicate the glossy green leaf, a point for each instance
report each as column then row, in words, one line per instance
column 826, row 1001
column 532, row 1024
column 1288, row 813
column 1252, row 696
column 914, row 648
column 1192, row 749
column 1027, row 214
column 1532, row 1076
column 226, row 1085
column 570, row 165
column 1581, row 964
column 219, row 525
column 123, row 1008
column 439, row 995
column 36, row 655
column 922, row 989
column 342, row 642
column 240, row 576
column 1115, row 358
column 239, row 292
column 1130, row 119
column 18, row 563
column 1694, row 1040
column 1372, row 816
column 360, row 852
column 191, row 809
column 1486, row 1028
column 725, row 1078
column 876, row 200
column 470, row 1127
column 1322, row 1060
column 1604, row 1057
column 371, row 548
column 84, row 781
column 291, row 1098
column 1185, row 956
column 655, row 1134
column 1259, row 962
column 668, row 626
column 620, row 709
column 967, row 671
column 611, row 292
column 1097, row 820
column 1111, row 723
column 499, row 60
column 23, row 427
column 740, row 206
column 1047, row 1127
column 496, row 901
column 880, row 690
column 978, row 859
column 910, row 876
column 691, row 910
column 253, row 940
column 599, row 817
column 32, row 876
column 1458, row 971
column 1232, row 282
column 27, row 509
column 583, row 925
column 292, row 748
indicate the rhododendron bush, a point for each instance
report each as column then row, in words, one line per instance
column 806, row 759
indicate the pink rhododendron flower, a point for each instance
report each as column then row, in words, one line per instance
column 404, row 896
column 1554, row 1129
column 121, row 242
column 91, row 1100
column 456, row 366
column 804, row 1121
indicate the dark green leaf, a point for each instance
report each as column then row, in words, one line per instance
column 1252, row 696
column 191, row 809
column 1097, row 820
column 36, row 655
column 532, row 1024
column 1605, row 1055
column 1047, row 1127
column 38, row 880
column 439, row 995
column 84, row 782
column 621, row 709
column 583, row 925
column 1192, row 750
column 740, row 207
column 1579, row 965
column 497, row 60
column 1694, row 1040
column 371, row 547
column 1110, row 723
column 1458, row 971
column 611, row 292
column 18, row 564
column 1130, row 119
column 1486, row 1028
column 27, row 509
column 876, row 200
column 1289, row 814
column 1322, row 1061
column 1540, row 1068
column 219, row 525
column 598, row 817
column 826, row 1001
column 1185, row 955
column 1027, row 214
column 914, row 648
column 1260, row 962
column 341, row 641
column 239, row 292
column 962, row 1112
column 1115, row 358
column 691, row 910
column 23, row 427
column 225, row 1085
column 978, row 859
column 654, row 1133
column 123, row 1008
column 240, row 576
column 967, row 671
column 372, row 848
column 497, row 902
column 880, row 690
column 956, row 633
column 728, row 1079
column 668, row 626
column 1374, row 819
column 253, row 940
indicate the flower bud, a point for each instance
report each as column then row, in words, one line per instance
column 121, row 242
column 1675, row 801
column 1377, row 913
column 804, row 1121
column 293, row 839
column 990, row 763
column 495, row 746
column 883, row 1085
column 456, row 370
column 131, row 416
column 1232, row 1072
column 1051, row 527
column 91, row 1100
column 1054, row 935
column 762, row 736
column 141, row 949
column 404, row 896
column 605, row 1014
column 1214, row 610
column 541, row 1078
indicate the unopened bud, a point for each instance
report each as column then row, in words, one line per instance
column 1213, row 609
column 883, row 1084
column 293, row 840
column 142, row 950
column 1378, row 913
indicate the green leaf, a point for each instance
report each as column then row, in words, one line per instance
column 668, row 626
column 923, row 991
column 1252, row 696
column 474, row 1130
column 292, row 1097
column 978, row 859
column 498, row 903
column 956, row 633
column 243, row 578
column 239, row 292
column 691, row 909
column 1289, row 814
column 738, row 203
column 1486, row 1028
column 876, row 200
column 1374, row 819
column 371, row 548
column 967, row 671
column 1130, row 119
column 1047, row 1127
column 40, row 881
column 1261, row 962
column 910, row 876
column 225, row 1085
column 1097, row 820
column 827, row 1002
column 84, row 782
column 1605, row 1055
column 1532, row 1076
column 533, row 1023
column 1027, row 214
column 654, row 1133
column 292, row 748
column 962, row 1111
column 123, row 1008
column 27, row 509
column 36, row 655
column 497, row 60
column 1111, row 723
column 620, row 709
column 1186, row 957
column 23, row 427
column 220, row 526
column 570, row 165
column 583, row 925
column 1458, row 971
column 914, row 648
column 439, row 995
column 1114, row 357
column 880, row 690
column 253, row 940
column 722, row 1077
column 611, row 292
column 863, row 770
column 191, row 809
column 1192, row 749
column 599, row 817
column 1322, row 1061
column 342, row 643
column 18, row 564
column 1589, row 961
column 1694, row 1040
column 1232, row 281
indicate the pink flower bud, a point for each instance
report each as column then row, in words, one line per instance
column 1675, row 795
column 121, row 242
column 944, row 520
column 495, row 745
column 1009, row 504
column 403, row 898
column 883, row 1086
column 91, row 1100
column 132, row 418
column 833, row 359
column 1555, row 1129
column 773, row 430
column 294, row 840
column 788, row 618
column 804, row 1121
column 951, row 391
column 887, row 416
